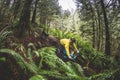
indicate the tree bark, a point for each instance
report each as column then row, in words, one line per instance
column 24, row 23
column 93, row 25
column 107, row 42
column 93, row 34
column 99, row 30
column 16, row 8
column 34, row 12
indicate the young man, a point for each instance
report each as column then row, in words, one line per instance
column 65, row 47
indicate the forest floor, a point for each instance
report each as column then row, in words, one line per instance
column 10, row 68
column 39, row 39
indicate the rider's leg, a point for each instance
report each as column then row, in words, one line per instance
column 61, row 52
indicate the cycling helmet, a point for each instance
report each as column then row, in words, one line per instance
column 72, row 39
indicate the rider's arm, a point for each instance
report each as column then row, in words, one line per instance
column 67, row 50
column 75, row 47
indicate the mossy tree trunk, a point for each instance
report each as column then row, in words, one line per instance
column 34, row 12
column 23, row 26
column 107, row 43
column 17, row 4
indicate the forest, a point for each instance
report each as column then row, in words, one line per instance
column 30, row 31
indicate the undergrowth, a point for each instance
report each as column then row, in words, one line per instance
column 45, row 65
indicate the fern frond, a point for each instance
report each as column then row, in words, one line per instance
column 58, row 69
column 37, row 77
column 19, row 59
column 4, row 34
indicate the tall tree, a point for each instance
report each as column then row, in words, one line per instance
column 16, row 8
column 98, row 18
column 34, row 12
column 107, row 42
column 24, row 22
column 87, row 13
column 93, row 23
column 47, row 9
column 106, row 22
column 5, row 7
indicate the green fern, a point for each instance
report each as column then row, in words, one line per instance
column 109, row 75
column 37, row 77
column 58, row 70
column 2, row 59
column 4, row 35
column 19, row 59
column 57, row 66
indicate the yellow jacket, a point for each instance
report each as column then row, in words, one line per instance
column 66, row 44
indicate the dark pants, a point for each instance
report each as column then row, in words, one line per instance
column 61, row 53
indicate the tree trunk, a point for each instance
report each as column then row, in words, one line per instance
column 93, row 25
column 102, row 39
column 99, row 30
column 93, row 34
column 24, row 23
column 34, row 12
column 16, row 8
column 107, row 42
column 8, row 2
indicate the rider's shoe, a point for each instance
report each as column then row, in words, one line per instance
column 72, row 56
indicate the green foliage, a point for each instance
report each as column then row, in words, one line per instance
column 20, row 60
column 49, row 67
column 47, row 56
column 49, row 7
column 56, row 32
column 66, row 14
column 98, row 60
column 109, row 75
column 63, row 34
column 52, row 67
column 37, row 77
column 56, row 68
column 84, row 45
column 4, row 34
column 2, row 59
